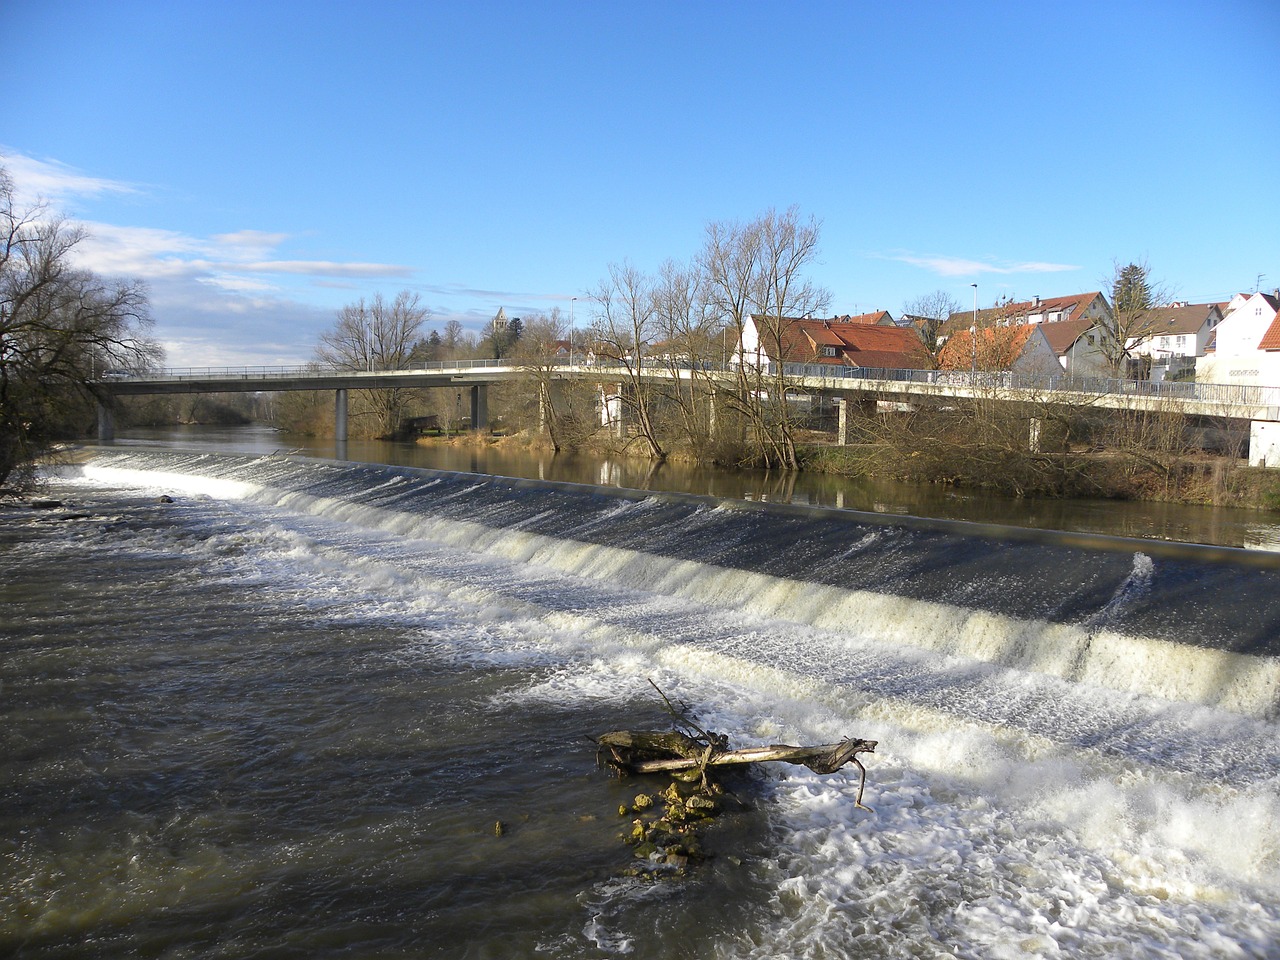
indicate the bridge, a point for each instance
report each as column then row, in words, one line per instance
column 1260, row 406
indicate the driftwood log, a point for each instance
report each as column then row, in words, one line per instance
column 674, row 752
column 664, row 827
column 688, row 751
column 649, row 752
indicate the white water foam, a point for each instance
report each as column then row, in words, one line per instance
column 1085, row 653
column 996, row 839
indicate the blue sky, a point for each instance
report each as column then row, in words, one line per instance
column 261, row 164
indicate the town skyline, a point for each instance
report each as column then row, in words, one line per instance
column 262, row 168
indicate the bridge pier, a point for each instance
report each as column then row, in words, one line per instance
column 612, row 409
column 106, row 423
column 550, row 399
column 480, row 407
column 340, row 415
column 340, row 424
column 1264, row 443
column 865, row 404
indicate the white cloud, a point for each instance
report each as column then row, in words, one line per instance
column 328, row 268
column 228, row 298
column 947, row 266
column 49, row 180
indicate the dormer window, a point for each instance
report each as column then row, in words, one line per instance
column 828, row 351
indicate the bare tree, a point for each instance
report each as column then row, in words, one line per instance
column 625, row 327
column 928, row 313
column 694, row 350
column 756, row 276
column 60, row 329
column 376, row 336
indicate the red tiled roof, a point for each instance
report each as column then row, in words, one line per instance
column 1073, row 305
column 876, row 317
column 997, row 348
column 1063, row 334
column 856, row 344
column 1271, row 339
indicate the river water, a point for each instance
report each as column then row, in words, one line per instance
column 267, row 706
column 1161, row 521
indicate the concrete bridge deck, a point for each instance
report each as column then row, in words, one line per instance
column 1196, row 399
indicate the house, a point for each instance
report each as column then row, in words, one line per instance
column 877, row 318
column 1077, row 306
column 844, row 342
column 1167, row 340
column 1078, row 346
column 1245, row 346
column 1022, row 349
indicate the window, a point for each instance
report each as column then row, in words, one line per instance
column 828, row 351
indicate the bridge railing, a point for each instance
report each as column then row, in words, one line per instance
column 1225, row 395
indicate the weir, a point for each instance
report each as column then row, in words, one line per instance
column 1175, row 621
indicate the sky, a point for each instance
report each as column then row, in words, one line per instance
column 262, row 164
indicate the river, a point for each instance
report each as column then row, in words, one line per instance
column 1223, row 526
column 259, row 705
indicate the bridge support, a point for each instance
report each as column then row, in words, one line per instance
column 865, row 405
column 550, row 399
column 480, row 407
column 106, row 423
column 340, row 415
column 1264, row 443
column 612, row 413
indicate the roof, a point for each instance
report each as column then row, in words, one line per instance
column 1063, row 335
column 1163, row 321
column 1016, row 312
column 852, row 342
column 1271, row 339
column 874, row 318
column 996, row 348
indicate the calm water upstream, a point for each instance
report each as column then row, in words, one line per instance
column 255, row 705
column 1176, row 522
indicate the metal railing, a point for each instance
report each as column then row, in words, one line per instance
column 1220, row 394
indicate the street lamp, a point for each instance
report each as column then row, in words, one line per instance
column 973, row 338
column 572, row 301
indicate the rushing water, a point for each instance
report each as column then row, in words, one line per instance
column 281, row 715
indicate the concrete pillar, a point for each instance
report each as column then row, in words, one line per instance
column 480, row 407
column 550, row 397
column 864, row 404
column 340, row 415
column 1264, row 443
column 106, row 423
column 611, row 409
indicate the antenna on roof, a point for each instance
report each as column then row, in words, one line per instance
column 1258, row 286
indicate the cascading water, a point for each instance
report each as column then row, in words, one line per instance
column 1078, row 742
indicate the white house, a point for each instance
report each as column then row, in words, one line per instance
column 1078, row 346
column 1245, row 348
column 1171, row 338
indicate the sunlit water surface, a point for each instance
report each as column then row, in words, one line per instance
column 244, row 725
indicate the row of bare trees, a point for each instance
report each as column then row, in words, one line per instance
column 691, row 317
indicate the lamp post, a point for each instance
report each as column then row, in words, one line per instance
column 973, row 339
column 572, row 301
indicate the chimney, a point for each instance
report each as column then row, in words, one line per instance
column 1037, row 301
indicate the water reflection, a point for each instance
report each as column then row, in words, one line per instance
column 1195, row 524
